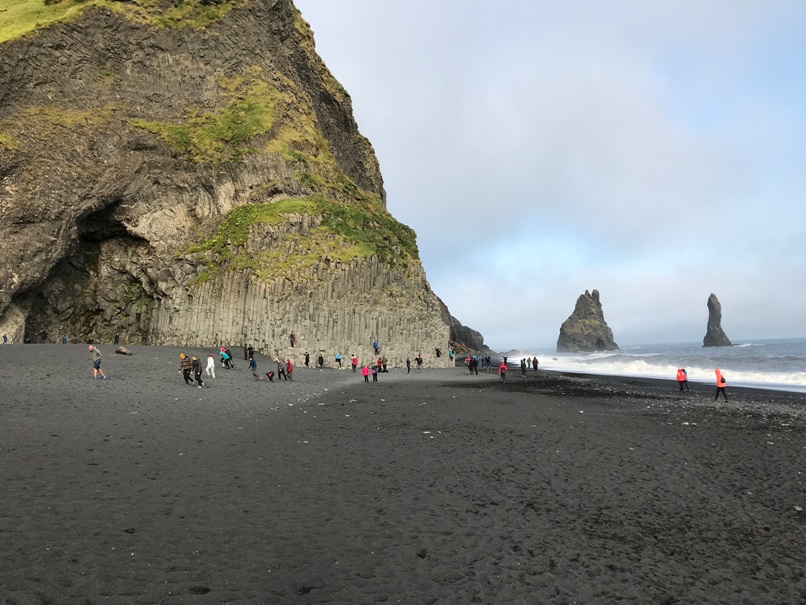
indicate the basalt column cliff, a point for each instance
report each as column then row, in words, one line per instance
column 191, row 173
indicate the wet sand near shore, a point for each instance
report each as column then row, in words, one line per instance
column 431, row 487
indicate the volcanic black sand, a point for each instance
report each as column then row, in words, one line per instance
column 433, row 487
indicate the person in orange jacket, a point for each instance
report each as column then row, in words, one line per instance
column 720, row 385
column 682, row 379
column 502, row 371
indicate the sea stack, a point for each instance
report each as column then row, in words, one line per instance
column 714, row 335
column 586, row 329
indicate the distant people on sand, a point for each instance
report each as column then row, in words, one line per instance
column 384, row 361
column 365, row 373
column 321, row 361
column 64, row 339
column 338, row 360
column 535, row 363
column 354, row 362
column 185, row 367
column 682, row 379
column 418, row 362
column 523, row 367
column 280, row 370
column 210, row 369
column 374, row 372
column 408, row 365
column 307, row 359
column 195, row 364
column 289, row 369
column 720, row 385
column 250, row 352
column 117, row 338
column 253, row 367
column 502, row 371
column 95, row 356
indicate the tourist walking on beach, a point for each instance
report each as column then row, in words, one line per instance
column 321, row 361
column 408, row 365
column 523, row 367
column 185, row 367
column 720, row 385
column 535, row 363
column 374, row 372
column 682, row 379
column 289, row 369
column 338, row 360
column 502, row 371
column 354, row 362
column 253, row 367
column 384, row 361
column 419, row 361
column 307, row 359
column 365, row 373
column 195, row 364
column 210, row 369
column 95, row 355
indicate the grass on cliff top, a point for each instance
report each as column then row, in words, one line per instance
column 347, row 231
column 19, row 17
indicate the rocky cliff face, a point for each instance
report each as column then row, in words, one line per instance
column 714, row 335
column 192, row 174
column 586, row 328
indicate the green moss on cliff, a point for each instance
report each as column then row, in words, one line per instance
column 221, row 136
column 346, row 231
column 8, row 141
column 19, row 17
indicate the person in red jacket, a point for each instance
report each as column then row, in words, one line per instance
column 289, row 369
column 720, row 385
column 682, row 379
column 502, row 371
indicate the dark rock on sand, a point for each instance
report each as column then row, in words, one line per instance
column 715, row 336
column 586, row 328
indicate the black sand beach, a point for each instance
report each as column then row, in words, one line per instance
column 433, row 487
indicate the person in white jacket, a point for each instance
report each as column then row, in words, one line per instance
column 210, row 369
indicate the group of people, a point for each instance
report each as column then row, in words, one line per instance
column 682, row 381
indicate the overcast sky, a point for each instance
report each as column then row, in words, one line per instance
column 655, row 151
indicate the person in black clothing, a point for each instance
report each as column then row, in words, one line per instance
column 195, row 364
column 321, row 361
column 307, row 359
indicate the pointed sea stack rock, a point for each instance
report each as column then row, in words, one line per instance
column 586, row 329
column 714, row 335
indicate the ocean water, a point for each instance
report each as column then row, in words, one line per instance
column 771, row 364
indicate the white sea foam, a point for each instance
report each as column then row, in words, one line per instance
column 777, row 365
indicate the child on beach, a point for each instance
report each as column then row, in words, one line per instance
column 365, row 373
column 95, row 355
column 270, row 376
column 374, row 372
